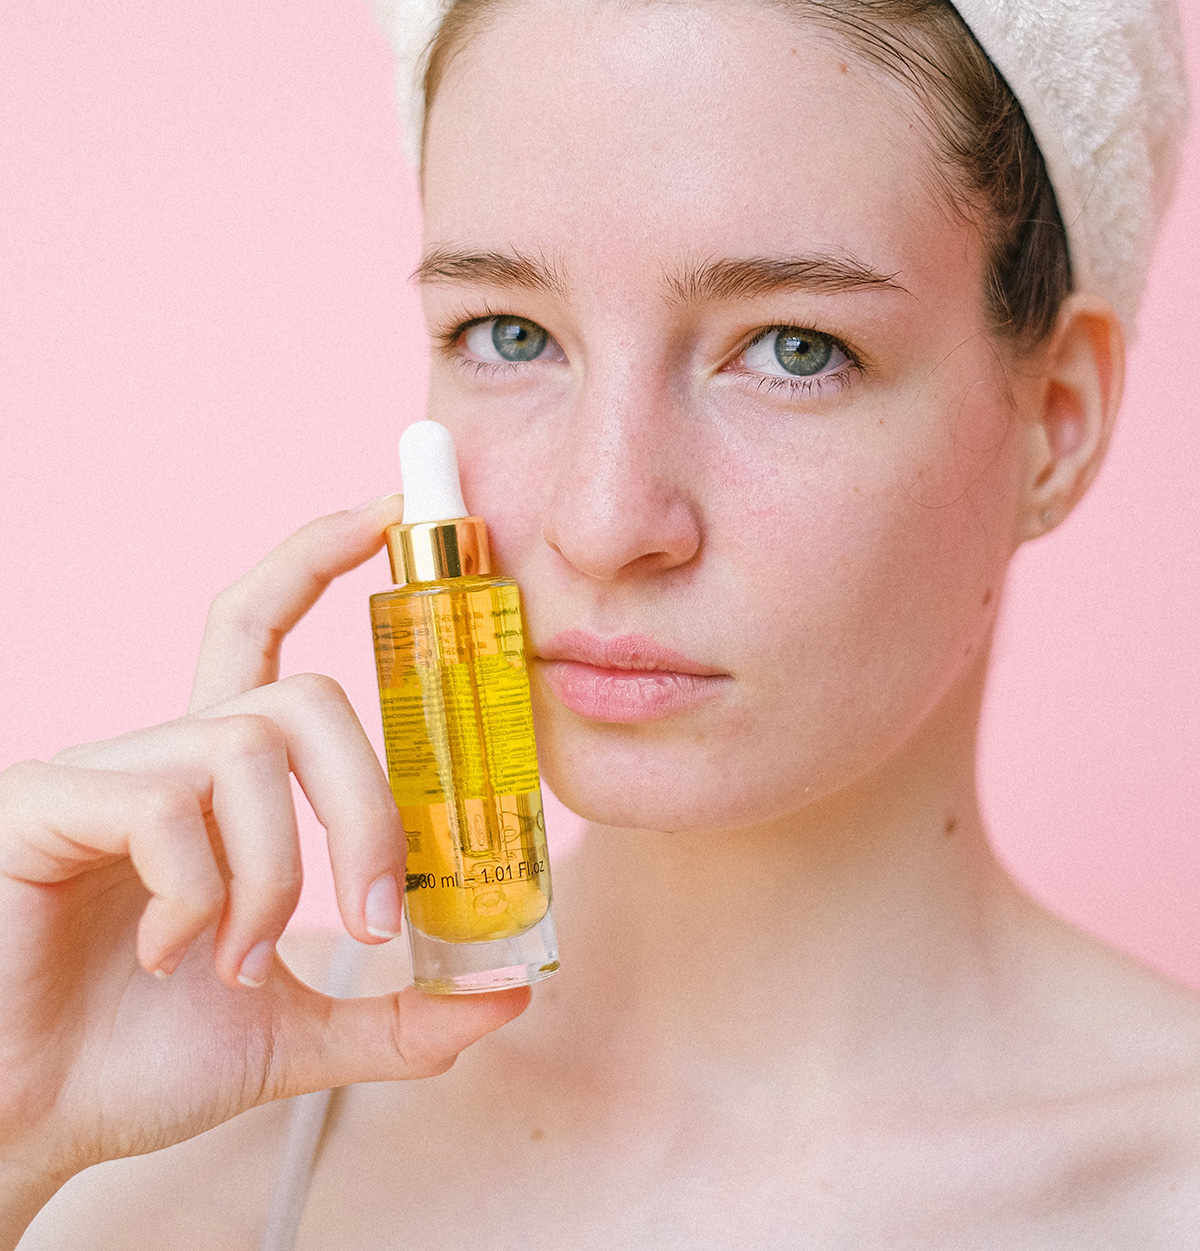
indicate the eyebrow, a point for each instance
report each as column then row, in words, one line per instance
column 734, row 279
column 727, row 279
column 492, row 269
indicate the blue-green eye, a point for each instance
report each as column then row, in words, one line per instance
column 802, row 351
column 509, row 339
column 795, row 351
column 517, row 339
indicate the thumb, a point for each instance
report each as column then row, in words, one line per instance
column 321, row 1042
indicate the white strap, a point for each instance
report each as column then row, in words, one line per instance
column 307, row 1118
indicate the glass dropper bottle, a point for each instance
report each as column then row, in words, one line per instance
column 458, row 731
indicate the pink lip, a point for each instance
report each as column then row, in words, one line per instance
column 624, row 679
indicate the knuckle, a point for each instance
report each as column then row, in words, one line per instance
column 281, row 886
column 420, row 1052
column 222, row 611
column 315, row 688
column 203, row 900
column 437, row 1068
column 228, row 604
column 428, row 1064
column 233, row 611
column 209, row 897
column 245, row 734
column 161, row 803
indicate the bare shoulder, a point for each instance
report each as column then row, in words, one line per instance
column 1115, row 1021
column 1111, row 1103
column 211, row 1191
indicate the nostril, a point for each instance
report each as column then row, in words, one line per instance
column 604, row 547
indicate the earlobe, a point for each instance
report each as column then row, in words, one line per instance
column 1073, row 405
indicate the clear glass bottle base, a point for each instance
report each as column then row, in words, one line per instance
column 442, row 968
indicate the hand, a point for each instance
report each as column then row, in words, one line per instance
column 145, row 880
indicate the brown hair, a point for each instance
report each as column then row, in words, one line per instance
column 998, row 177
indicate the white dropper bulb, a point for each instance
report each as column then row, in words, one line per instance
column 429, row 473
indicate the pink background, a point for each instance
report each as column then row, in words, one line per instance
column 207, row 339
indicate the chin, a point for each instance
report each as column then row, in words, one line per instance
column 630, row 782
column 621, row 810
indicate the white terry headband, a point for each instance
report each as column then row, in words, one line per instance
column 1102, row 83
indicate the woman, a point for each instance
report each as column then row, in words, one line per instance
column 759, row 379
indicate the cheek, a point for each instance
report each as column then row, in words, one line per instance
column 868, row 585
column 933, row 520
column 972, row 439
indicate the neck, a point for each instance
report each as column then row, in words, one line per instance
column 855, row 935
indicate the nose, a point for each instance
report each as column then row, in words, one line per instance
column 619, row 503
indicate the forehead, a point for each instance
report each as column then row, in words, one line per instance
column 616, row 129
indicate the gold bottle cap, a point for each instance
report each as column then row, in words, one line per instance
column 429, row 551
column 437, row 539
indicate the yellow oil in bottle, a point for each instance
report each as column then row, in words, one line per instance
column 458, row 730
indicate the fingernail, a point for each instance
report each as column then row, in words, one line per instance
column 257, row 964
column 169, row 963
column 379, row 499
column 382, row 908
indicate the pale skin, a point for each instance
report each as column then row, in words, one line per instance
column 817, row 1013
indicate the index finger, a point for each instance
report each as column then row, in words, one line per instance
column 249, row 620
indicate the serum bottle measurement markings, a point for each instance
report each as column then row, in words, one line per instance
column 487, row 875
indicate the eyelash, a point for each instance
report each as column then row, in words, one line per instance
column 446, row 339
column 800, row 387
column 446, row 344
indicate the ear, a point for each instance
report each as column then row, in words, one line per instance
column 1071, row 405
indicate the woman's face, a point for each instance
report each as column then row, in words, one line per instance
column 713, row 348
